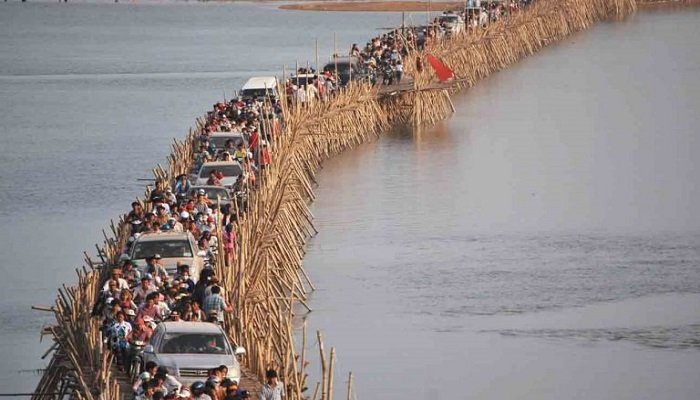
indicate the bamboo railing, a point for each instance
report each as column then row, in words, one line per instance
column 477, row 53
column 266, row 282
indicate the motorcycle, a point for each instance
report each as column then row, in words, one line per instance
column 136, row 359
column 241, row 198
column 387, row 75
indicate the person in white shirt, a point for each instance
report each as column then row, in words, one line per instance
column 273, row 389
column 122, row 284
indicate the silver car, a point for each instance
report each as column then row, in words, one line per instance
column 189, row 349
column 173, row 247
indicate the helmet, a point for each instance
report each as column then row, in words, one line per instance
column 197, row 388
column 212, row 382
column 184, row 215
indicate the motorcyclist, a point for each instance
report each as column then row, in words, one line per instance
column 182, row 187
column 171, row 384
column 148, row 373
column 120, row 333
column 197, row 390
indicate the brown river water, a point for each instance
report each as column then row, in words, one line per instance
column 543, row 243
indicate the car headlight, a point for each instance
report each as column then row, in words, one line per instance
column 234, row 373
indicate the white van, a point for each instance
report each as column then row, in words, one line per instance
column 258, row 87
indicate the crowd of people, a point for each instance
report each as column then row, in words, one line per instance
column 136, row 298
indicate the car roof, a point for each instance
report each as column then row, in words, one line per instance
column 158, row 236
column 190, row 327
column 343, row 60
column 260, row 82
column 304, row 76
column 220, row 163
column 226, row 134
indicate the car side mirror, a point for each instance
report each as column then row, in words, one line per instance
column 149, row 349
column 240, row 351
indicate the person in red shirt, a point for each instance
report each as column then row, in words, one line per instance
column 141, row 331
column 149, row 309
column 264, row 155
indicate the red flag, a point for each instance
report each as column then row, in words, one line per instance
column 443, row 72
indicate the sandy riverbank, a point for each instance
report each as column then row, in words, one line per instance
column 378, row 6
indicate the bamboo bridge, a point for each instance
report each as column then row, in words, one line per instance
column 267, row 284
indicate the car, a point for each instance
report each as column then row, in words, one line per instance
column 231, row 170
column 348, row 68
column 190, row 349
column 303, row 79
column 259, row 87
column 452, row 23
column 173, row 247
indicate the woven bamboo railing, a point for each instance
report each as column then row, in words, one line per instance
column 477, row 53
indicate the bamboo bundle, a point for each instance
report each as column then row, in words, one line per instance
column 666, row 4
column 268, row 278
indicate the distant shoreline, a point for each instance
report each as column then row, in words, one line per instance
column 376, row 6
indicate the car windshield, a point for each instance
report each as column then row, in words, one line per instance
column 220, row 141
column 173, row 248
column 343, row 67
column 449, row 19
column 214, row 193
column 227, row 170
column 195, row 343
column 256, row 93
column 303, row 80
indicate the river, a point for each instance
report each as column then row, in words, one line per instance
column 541, row 243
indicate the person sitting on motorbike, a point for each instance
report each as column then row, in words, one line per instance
column 169, row 197
column 171, row 384
column 241, row 152
column 202, row 203
column 120, row 333
column 149, row 371
column 144, row 289
column 126, row 301
column 213, row 389
column 183, row 275
column 158, row 382
column 148, row 389
column 198, row 391
column 182, row 186
column 131, row 274
column 157, row 271
column 149, row 308
column 240, row 184
column 203, row 245
column 142, row 332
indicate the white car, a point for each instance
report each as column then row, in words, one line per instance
column 231, row 170
column 189, row 349
column 173, row 247
column 259, row 87
column 453, row 23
